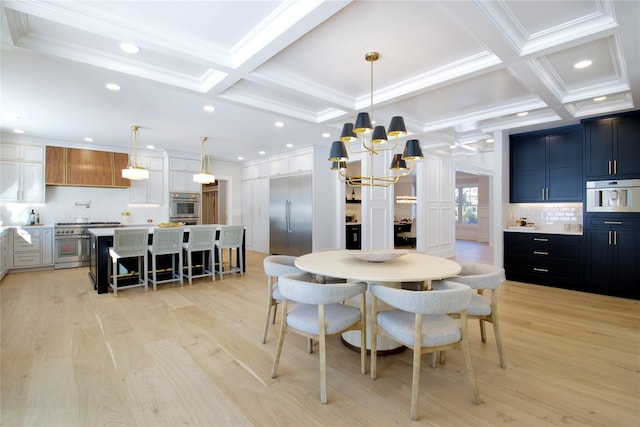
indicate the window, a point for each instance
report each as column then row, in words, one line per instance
column 466, row 199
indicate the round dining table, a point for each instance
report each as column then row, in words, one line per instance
column 412, row 266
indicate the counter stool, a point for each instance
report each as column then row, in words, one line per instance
column 230, row 238
column 201, row 238
column 128, row 243
column 166, row 241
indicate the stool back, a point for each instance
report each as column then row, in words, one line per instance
column 130, row 242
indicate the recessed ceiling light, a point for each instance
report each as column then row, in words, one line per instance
column 279, row 124
column 489, row 140
column 18, row 131
column 240, row 158
column 600, row 98
column 326, row 135
column 151, row 147
column 582, row 64
column 113, row 86
column 209, row 108
column 289, row 145
column 87, row 139
column 524, row 113
column 129, row 47
column 262, row 153
column 452, row 146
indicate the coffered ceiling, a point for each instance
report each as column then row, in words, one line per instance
column 456, row 70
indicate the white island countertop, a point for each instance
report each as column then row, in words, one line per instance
column 110, row 231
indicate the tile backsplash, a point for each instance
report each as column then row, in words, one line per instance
column 550, row 217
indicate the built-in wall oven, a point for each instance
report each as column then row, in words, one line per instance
column 185, row 208
column 72, row 246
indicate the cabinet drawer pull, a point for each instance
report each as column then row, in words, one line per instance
column 540, row 253
column 613, row 222
column 542, row 270
column 538, row 239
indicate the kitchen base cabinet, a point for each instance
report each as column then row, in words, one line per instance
column 544, row 259
column 6, row 252
column 32, row 248
column 613, row 256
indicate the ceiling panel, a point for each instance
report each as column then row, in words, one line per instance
column 456, row 71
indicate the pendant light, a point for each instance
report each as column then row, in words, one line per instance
column 373, row 140
column 204, row 177
column 134, row 172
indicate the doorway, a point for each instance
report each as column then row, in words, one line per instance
column 214, row 202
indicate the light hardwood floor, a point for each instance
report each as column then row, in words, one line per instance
column 192, row 356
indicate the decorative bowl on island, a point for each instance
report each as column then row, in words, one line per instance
column 379, row 255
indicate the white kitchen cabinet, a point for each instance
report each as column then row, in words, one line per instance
column 6, row 252
column 255, row 214
column 291, row 165
column 21, row 173
column 21, row 182
column 148, row 191
column 181, row 173
column 32, row 247
column 23, row 153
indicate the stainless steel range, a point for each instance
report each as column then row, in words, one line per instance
column 72, row 246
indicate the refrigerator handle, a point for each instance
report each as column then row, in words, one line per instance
column 288, row 215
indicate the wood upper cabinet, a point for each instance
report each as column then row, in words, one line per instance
column 55, row 167
column 120, row 161
column 86, row 168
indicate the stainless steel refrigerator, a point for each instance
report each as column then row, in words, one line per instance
column 290, row 215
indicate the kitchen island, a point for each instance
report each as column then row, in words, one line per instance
column 102, row 240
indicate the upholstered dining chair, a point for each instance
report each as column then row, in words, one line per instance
column 201, row 238
column 421, row 322
column 318, row 314
column 128, row 243
column 274, row 267
column 484, row 277
column 166, row 242
column 230, row 238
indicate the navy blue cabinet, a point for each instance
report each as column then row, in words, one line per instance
column 546, row 166
column 612, row 147
column 543, row 258
column 613, row 254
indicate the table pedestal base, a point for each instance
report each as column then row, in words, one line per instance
column 394, row 350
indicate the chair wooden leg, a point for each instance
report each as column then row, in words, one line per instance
column 483, row 331
column 443, row 357
column 498, row 337
column 417, row 355
column 415, row 382
column 323, row 368
column 467, row 360
column 434, row 359
column 283, row 331
column 374, row 353
column 266, row 321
